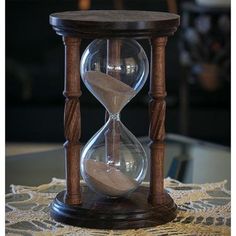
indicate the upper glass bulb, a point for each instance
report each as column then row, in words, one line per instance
column 114, row 71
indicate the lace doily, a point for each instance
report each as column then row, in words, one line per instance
column 204, row 209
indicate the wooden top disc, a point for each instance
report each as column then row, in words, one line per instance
column 114, row 23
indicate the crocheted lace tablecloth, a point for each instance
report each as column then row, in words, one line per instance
column 204, row 209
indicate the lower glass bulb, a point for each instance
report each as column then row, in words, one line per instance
column 113, row 162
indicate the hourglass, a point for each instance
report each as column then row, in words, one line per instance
column 113, row 163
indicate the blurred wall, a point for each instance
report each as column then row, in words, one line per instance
column 34, row 81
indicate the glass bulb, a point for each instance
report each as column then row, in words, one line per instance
column 113, row 162
column 129, row 66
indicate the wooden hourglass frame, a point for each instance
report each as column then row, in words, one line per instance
column 147, row 206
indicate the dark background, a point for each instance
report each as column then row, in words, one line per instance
column 34, row 81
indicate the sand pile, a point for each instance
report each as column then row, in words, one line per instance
column 107, row 179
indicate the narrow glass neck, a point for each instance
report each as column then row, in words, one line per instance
column 114, row 116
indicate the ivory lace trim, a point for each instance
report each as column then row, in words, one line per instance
column 204, row 209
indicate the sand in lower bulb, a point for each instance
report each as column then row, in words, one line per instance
column 107, row 179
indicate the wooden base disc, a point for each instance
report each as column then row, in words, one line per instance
column 107, row 213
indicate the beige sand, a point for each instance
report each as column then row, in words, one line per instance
column 108, row 180
column 112, row 93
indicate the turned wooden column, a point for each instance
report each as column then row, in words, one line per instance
column 157, row 110
column 72, row 127
column 113, row 57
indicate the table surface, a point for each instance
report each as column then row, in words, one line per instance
column 203, row 209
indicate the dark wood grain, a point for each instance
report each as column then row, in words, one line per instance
column 114, row 23
column 157, row 110
column 72, row 126
column 106, row 213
